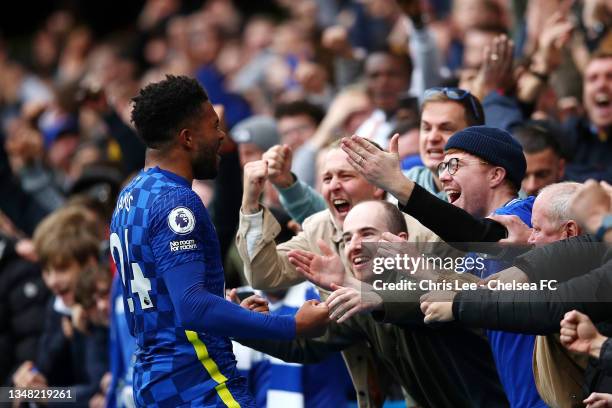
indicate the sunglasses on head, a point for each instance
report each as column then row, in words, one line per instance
column 455, row 94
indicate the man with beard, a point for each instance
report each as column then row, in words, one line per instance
column 167, row 253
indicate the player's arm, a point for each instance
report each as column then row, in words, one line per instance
column 199, row 310
column 181, row 236
column 337, row 337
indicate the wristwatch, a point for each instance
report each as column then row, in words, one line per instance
column 606, row 225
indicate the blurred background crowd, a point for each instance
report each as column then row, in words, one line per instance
column 300, row 74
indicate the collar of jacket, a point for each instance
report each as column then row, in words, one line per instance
column 336, row 229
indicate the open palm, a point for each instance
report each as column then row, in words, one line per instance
column 322, row 270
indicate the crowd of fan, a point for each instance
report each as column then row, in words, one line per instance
column 288, row 85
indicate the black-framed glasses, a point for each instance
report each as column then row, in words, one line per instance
column 456, row 94
column 452, row 165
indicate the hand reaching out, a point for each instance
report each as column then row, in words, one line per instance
column 437, row 306
column 254, row 303
column 346, row 302
column 518, row 231
column 379, row 167
column 324, row 270
column 311, row 319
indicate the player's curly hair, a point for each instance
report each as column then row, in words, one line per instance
column 162, row 108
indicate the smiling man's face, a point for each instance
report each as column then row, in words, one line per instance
column 365, row 223
column 439, row 121
column 469, row 187
column 597, row 91
column 342, row 186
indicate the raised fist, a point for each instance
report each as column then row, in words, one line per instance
column 279, row 159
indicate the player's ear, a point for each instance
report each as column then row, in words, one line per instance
column 185, row 138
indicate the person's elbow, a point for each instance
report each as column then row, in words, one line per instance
column 186, row 319
column 259, row 280
column 189, row 310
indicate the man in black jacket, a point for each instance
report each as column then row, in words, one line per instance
column 590, row 137
column 23, row 296
column 581, row 265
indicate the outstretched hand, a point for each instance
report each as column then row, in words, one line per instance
column 379, row 167
column 312, row 319
column 518, row 231
column 254, row 303
column 437, row 306
column 346, row 302
column 322, row 270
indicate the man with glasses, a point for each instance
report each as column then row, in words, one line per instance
column 487, row 165
column 444, row 112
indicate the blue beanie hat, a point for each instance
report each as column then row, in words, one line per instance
column 495, row 146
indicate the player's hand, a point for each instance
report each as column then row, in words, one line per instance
column 437, row 306
column 598, row 400
column 579, row 334
column 279, row 159
column 346, row 302
column 255, row 175
column 311, row 319
column 320, row 270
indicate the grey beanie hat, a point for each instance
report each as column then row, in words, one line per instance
column 260, row 130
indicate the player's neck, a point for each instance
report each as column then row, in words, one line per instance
column 172, row 161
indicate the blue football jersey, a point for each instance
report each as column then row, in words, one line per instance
column 159, row 223
column 513, row 352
